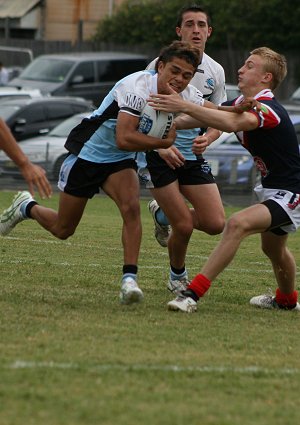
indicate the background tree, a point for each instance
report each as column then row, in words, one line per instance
column 238, row 27
column 238, row 24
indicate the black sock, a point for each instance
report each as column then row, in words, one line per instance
column 130, row 268
column 177, row 271
column 28, row 208
column 191, row 294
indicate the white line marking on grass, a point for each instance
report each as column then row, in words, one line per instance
column 256, row 370
column 164, row 253
column 68, row 264
column 142, row 266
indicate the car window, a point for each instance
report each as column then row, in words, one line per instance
column 231, row 140
column 7, row 111
column 57, row 110
column 86, row 71
column 297, row 129
column 64, row 128
column 103, row 71
column 296, row 94
column 116, row 69
column 232, row 93
column 130, row 66
column 51, row 70
column 81, row 108
column 32, row 114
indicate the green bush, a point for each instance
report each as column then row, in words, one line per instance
column 237, row 24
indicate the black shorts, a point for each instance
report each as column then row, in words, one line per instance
column 83, row 179
column 191, row 173
column 279, row 217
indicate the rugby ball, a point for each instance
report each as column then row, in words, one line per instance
column 155, row 123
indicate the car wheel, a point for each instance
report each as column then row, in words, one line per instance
column 57, row 165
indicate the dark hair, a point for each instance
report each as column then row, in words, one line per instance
column 182, row 50
column 192, row 8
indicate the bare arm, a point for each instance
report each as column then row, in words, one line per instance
column 184, row 121
column 33, row 174
column 128, row 138
column 221, row 120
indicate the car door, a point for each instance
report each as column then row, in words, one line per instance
column 82, row 82
column 57, row 112
column 30, row 121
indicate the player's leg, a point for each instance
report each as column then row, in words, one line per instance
column 274, row 245
column 283, row 262
column 255, row 219
column 284, row 267
column 123, row 187
column 251, row 220
column 63, row 223
column 207, row 212
column 77, row 184
column 175, row 207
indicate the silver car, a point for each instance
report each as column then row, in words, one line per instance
column 47, row 151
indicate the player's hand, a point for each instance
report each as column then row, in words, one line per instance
column 35, row 176
column 172, row 156
column 200, row 143
column 172, row 102
column 247, row 104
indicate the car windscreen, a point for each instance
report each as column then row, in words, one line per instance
column 50, row 70
column 6, row 111
column 232, row 93
column 296, row 94
column 63, row 129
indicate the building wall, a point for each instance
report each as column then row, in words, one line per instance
column 68, row 20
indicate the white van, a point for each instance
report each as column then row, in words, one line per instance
column 89, row 75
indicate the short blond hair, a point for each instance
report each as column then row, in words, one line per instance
column 274, row 63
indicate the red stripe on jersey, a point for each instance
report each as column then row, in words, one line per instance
column 267, row 118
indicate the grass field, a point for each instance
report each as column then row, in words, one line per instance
column 71, row 354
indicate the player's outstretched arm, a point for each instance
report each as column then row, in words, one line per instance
column 34, row 175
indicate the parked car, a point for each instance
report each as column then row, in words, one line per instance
column 33, row 117
column 232, row 91
column 293, row 108
column 18, row 93
column 89, row 75
column 296, row 96
column 47, row 151
column 232, row 164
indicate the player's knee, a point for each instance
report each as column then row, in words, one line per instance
column 215, row 227
column 235, row 226
column 130, row 210
column 184, row 227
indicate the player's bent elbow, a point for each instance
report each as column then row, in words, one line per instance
column 122, row 144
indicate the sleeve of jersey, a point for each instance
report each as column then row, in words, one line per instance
column 152, row 64
column 193, row 95
column 267, row 117
column 219, row 94
column 132, row 93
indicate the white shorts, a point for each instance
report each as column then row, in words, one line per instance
column 289, row 202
